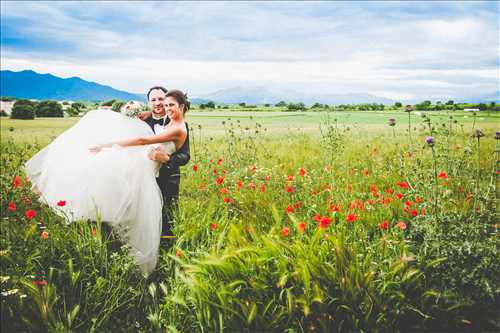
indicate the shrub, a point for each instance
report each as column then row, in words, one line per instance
column 22, row 112
column 49, row 109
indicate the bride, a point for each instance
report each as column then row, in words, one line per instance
column 101, row 168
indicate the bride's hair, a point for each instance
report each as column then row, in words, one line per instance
column 180, row 97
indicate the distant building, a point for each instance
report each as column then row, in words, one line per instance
column 65, row 104
column 7, row 106
column 472, row 110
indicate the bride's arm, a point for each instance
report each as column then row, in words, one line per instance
column 171, row 134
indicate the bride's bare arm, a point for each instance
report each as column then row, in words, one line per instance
column 171, row 134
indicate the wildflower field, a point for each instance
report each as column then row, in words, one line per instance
column 337, row 226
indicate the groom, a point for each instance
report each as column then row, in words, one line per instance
column 169, row 177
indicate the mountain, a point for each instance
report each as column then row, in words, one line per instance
column 262, row 95
column 32, row 85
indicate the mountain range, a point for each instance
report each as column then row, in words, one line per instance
column 32, row 85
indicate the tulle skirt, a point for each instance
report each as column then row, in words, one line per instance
column 117, row 185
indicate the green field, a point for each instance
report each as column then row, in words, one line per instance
column 311, row 225
column 273, row 123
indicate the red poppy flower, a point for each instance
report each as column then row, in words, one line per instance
column 324, row 222
column 290, row 209
column 251, row 186
column 228, row 200
column 423, row 211
column 352, row 218
column 61, row 203
column 302, row 172
column 399, row 196
column 418, row 199
column 40, row 283
column 366, row 172
column 414, row 213
column 403, row 185
column 263, row 188
column 223, row 191
column 408, row 203
column 442, row 175
column 93, row 231
column 16, row 182
column 44, row 234
column 384, row 225
column 239, row 184
column 285, row 231
column 213, row 226
column 289, row 178
column 301, row 226
column 333, row 208
column 30, row 214
column 219, row 161
column 289, row 189
column 12, row 207
column 178, row 253
column 401, row 225
column 373, row 188
column 388, row 200
column 297, row 205
column 268, row 177
column 195, row 167
column 389, row 191
column 317, row 218
column 219, row 180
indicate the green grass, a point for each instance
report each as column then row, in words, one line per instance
column 273, row 123
column 241, row 262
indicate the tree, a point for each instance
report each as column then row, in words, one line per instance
column 49, row 109
column 242, row 104
column 208, row 105
column 72, row 112
column 296, row 106
column 109, row 103
column 398, row 104
column 281, row 104
column 78, row 105
column 116, row 106
column 22, row 111
column 267, row 105
column 450, row 102
column 317, row 106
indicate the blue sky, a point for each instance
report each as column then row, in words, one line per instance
column 401, row 50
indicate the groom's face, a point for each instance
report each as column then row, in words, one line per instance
column 156, row 102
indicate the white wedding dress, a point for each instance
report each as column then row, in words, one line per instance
column 117, row 185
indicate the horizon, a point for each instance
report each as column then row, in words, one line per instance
column 401, row 51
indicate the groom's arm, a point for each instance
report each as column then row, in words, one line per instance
column 180, row 157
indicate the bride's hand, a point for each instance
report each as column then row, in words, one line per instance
column 95, row 149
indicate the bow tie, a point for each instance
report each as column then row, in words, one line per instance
column 157, row 121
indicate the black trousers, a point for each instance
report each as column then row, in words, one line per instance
column 169, row 186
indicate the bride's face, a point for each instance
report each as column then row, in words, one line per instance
column 174, row 111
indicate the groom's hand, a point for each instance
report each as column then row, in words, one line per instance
column 159, row 155
column 144, row 115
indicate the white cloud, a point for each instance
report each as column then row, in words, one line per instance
column 202, row 47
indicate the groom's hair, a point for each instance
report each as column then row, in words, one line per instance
column 157, row 87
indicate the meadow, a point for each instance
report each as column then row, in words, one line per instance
column 288, row 222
